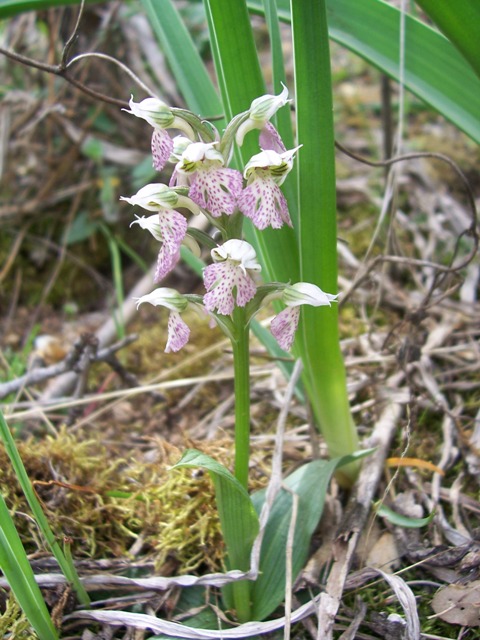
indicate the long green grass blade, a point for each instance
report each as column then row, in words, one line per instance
column 324, row 373
column 18, row 572
column 9, row 8
column 67, row 568
column 460, row 22
column 185, row 61
column 434, row 70
column 240, row 81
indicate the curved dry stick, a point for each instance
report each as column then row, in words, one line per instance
column 414, row 156
column 72, row 38
column 119, row 63
column 59, row 70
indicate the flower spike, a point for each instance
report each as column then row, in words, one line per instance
column 229, row 273
column 285, row 324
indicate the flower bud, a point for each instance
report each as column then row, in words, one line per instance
column 263, row 108
column 154, row 111
column 153, row 197
column 260, row 112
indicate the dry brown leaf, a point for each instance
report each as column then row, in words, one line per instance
column 384, row 553
column 459, row 604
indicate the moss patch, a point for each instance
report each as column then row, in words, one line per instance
column 105, row 503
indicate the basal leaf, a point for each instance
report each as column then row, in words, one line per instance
column 239, row 523
column 310, row 484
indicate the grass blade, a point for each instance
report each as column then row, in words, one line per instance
column 434, row 70
column 460, row 22
column 187, row 66
column 67, row 567
column 9, row 8
column 18, row 572
column 324, row 373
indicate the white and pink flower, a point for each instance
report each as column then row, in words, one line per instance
column 161, row 117
column 178, row 330
column 168, row 226
column 262, row 200
column 227, row 280
column 213, row 186
column 285, row 324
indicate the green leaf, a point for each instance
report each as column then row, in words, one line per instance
column 18, row 572
column 239, row 523
column 237, row 516
column 10, row 8
column 190, row 72
column 310, row 483
column 460, row 22
column 403, row 521
column 434, row 70
column 317, row 341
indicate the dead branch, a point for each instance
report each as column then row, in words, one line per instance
column 69, row 364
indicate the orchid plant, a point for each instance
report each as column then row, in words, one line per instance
column 202, row 183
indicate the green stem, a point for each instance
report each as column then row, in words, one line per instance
column 241, row 591
column 241, row 367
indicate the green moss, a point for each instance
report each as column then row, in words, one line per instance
column 104, row 502
column 14, row 624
